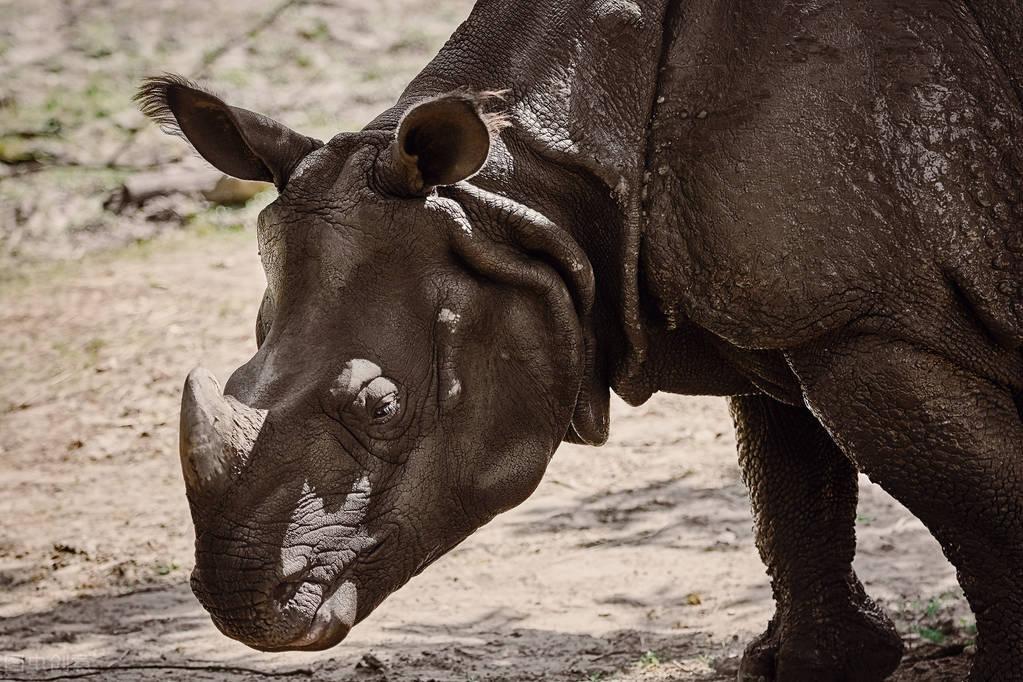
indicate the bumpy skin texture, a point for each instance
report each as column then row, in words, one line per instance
column 948, row 443
column 849, row 176
column 813, row 207
column 803, row 490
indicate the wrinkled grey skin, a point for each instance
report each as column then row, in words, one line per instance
column 812, row 208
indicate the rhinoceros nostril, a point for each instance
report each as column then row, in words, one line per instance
column 287, row 589
column 293, row 577
column 294, row 573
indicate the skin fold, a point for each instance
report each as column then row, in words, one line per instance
column 813, row 208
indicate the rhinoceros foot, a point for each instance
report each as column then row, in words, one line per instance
column 859, row 643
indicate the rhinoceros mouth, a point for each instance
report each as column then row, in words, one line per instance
column 330, row 624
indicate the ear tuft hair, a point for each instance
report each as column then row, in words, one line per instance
column 236, row 141
column 153, row 97
column 487, row 104
column 496, row 121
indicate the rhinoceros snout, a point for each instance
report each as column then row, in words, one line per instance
column 291, row 613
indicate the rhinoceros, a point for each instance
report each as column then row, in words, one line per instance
column 810, row 208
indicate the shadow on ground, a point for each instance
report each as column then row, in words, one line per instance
column 84, row 637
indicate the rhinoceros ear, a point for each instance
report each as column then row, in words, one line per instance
column 444, row 140
column 238, row 142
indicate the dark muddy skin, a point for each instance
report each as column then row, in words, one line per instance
column 811, row 208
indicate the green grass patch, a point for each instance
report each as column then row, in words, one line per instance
column 649, row 660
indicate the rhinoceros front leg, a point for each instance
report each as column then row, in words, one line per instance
column 803, row 491
column 948, row 444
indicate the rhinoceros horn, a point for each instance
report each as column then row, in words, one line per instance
column 217, row 434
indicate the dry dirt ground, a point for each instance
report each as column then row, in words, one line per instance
column 630, row 562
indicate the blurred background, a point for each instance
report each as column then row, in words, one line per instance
column 124, row 261
column 70, row 135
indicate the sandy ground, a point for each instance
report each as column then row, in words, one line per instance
column 631, row 562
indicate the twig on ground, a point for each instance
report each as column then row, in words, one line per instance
column 92, row 670
column 210, row 57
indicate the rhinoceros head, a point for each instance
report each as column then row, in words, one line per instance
column 422, row 348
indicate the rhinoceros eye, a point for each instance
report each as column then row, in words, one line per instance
column 382, row 400
column 386, row 408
